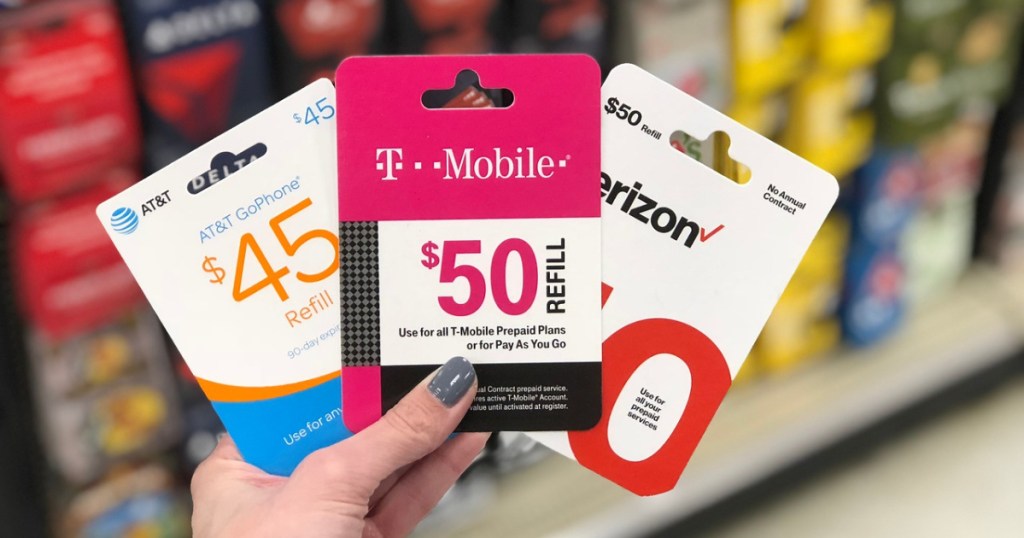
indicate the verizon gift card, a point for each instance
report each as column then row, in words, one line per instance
column 693, row 263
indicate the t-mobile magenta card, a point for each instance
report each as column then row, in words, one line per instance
column 472, row 232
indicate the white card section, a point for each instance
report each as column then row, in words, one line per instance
column 727, row 283
column 251, row 342
column 409, row 293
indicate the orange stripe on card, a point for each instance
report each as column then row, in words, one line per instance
column 219, row 392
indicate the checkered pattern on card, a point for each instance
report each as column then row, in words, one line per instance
column 360, row 294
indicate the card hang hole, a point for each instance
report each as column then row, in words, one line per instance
column 467, row 92
column 712, row 152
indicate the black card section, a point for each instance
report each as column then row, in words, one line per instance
column 516, row 397
column 360, row 294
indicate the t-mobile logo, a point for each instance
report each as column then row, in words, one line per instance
column 392, row 161
column 496, row 163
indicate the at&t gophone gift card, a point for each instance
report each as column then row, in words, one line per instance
column 693, row 263
column 234, row 246
column 472, row 232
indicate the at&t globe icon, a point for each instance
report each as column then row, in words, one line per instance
column 124, row 220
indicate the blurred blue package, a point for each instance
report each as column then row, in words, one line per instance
column 885, row 196
column 873, row 300
column 882, row 203
column 202, row 68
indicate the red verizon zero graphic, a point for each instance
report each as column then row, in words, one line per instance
column 624, row 352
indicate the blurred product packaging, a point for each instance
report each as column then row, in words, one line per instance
column 951, row 65
column 940, row 240
column 94, row 356
column 880, row 205
column 139, row 501
column 849, row 34
column 67, row 108
column 448, row 26
column 806, row 78
column 202, row 67
column 830, row 121
column 988, row 49
column 874, row 303
column 97, row 356
column 918, row 92
column 803, row 324
column 579, row 26
column 313, row 36
column 104, row 397
column 686, row 43
column 1005, row 242
column 70, row 277
column 769, row 45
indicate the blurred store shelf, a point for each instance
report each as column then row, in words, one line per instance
column 1008, row 293
column 969, row 449
column 771, row 424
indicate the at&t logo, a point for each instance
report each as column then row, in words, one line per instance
column 124, row 220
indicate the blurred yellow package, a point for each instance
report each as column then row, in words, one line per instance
column 849, row 34
column 803, row 324
column 770, row 42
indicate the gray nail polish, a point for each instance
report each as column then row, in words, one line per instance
column 452, row 381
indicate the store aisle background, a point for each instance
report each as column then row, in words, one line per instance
column 913, row 287
column 959, row 474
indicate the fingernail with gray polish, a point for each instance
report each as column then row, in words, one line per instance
column 452, row 381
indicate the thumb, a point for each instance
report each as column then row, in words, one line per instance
column 413, row 428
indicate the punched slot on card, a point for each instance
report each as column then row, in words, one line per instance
column 223, row 165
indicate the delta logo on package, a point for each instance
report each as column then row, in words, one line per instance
column 202, row 66
column 693, row 261
column 472, row 230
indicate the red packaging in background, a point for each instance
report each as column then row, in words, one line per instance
column 67, row 110
column 562, row 26
column 202, row 66
column 70, row 277
column 447, row 26
column 314, row 36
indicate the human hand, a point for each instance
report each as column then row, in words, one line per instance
column 379, row 483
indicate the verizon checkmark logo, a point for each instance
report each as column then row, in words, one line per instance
column 630, row 200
